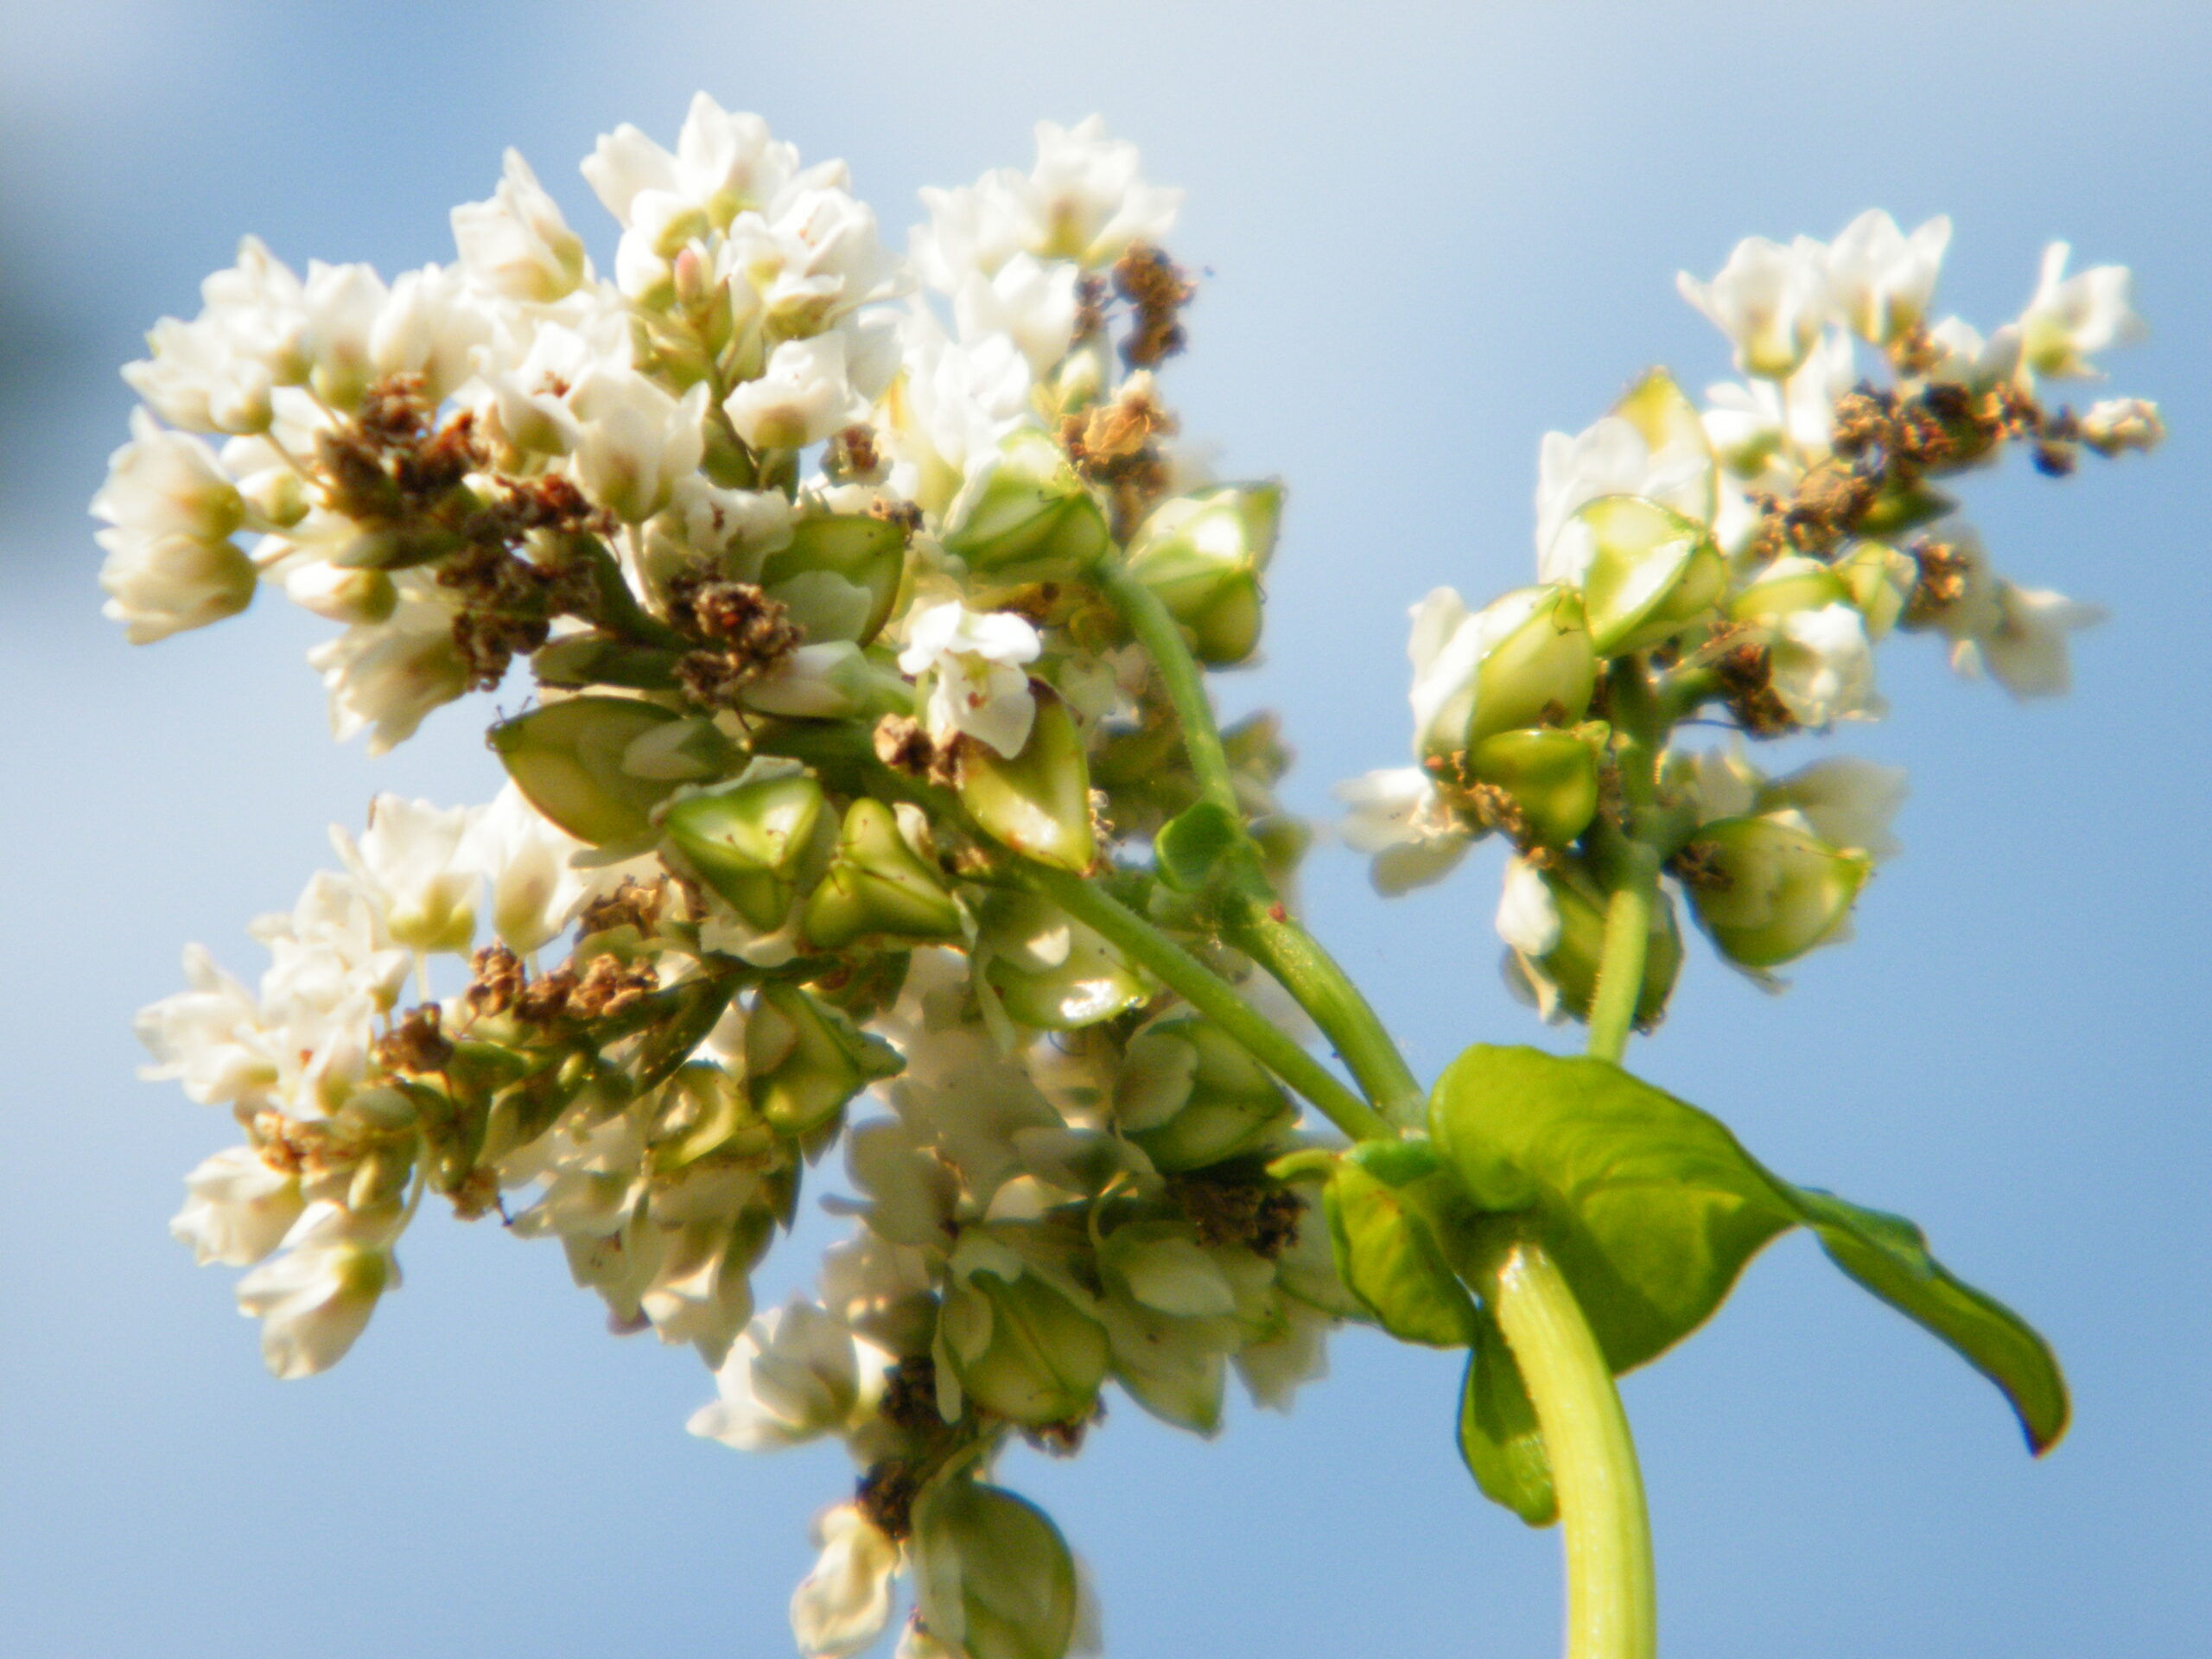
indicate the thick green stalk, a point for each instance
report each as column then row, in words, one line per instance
column 1632, row 874
column 1256, row 921
column 1611, row 1610
column 1205, row 990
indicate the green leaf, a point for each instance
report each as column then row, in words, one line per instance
column 1498, row 1437
column 1190, row 844
column 1649, row 1205
column 1889, row 1256
column 1387, row 1250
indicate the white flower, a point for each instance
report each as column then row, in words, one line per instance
column 954, row 403
column 535, row 890
column 206, row 1037
column 528, row 401
column 218, row 372
column 1848, row 802
column 411, row 858
column 814, row 257
column 1528, row 915
column 803, row 395
column 343, row 303
column 517, row 244
column 1964, row 358
column 315, row 1298
column 792, row 1375
column 723, row 164
column 1880, row 281
column 2026, row 650
column 431, row 325
column 1823, row 667
column 979, row 685
column 333, row 969
column 164, row 483
column 238, row 1209
column 1398, row 819
column 2071, row 317
column 161, row 585
column 388, row 675
column 1609, row 457
column 1032, row 303
column 1767, row 299
column 636, row 440
column 843, row 1604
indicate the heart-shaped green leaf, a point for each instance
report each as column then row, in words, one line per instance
column 1498, row 1436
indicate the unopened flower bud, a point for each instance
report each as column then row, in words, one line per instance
column 803, row 1060
column 1771, row 889
column 838, row 576
column 1023, row 1350
column 747, row 840
column 1203, row 554
column 841, row 1606
column 1523, row 660
column 1191, row 1097
column 1025, row 511
column 1051, row 972
column 1788, row 584
column 1646, row 572
column 876, row 885
column 1038, row 801
column 2118, row 424
column 1551, row 774
column 1553, row 920
column 568, row 757
column 1880, row 580
column 993, row 1578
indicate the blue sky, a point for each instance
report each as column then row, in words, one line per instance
column 1429, row 234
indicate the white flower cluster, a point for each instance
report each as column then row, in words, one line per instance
column 800, row 540
column 1750, row 552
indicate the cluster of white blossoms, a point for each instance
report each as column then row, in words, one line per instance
column 1742, row 559
column 806, row 547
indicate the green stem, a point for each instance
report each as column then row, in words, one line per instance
column 1257, row 923
column 1198, row 985
column 1611, row 1610
column 1632, row 860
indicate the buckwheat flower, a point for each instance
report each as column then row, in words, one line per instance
column 636, row 441
column 1032, row 303
column 1090, row 197
column 1609, row 457
column 383, row 678
column 314, row 1299
column 206, row 1037
column 1880, row 280
column 1848, row 802
column 525, row 858
column 1528, row 917
column 1823, row 667
column 529, row 400
column 1399, row 819
column 2071, row 317
column 432, row 324
column 2024, row 649
column 814, row 259
column 805, row 393
column 1477, row 673
column 953, row 402
column 979, row 686
column 792, row 1375
column 843, row 1604
column 1768, row 300
column 165, row 483
column 1294, row 1352
column 410, row 857
column 724, row 163
column 342, row 305
column 1963, row 358
column 2115, row 425
column 218, row 372
column 161, row 585
column 517, row 244
column 237, row 1209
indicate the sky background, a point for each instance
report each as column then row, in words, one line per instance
column 1429, row 234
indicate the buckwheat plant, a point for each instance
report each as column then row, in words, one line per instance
column 868, row 799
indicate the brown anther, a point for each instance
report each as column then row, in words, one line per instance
column 1064, row 1439
column 545, row 999
column 747, row 635
column 1945, row 575
column 634, row 904
column 1747, row 685
column 416, row 1044
column 1697, row 866
column 1496, row 809
column 851, row 455
column 1113, row 446
column 496, row 980
column 904, row 746
column 895, row 510
column 477, row 1195
column 1157, row 290
column 1260, row 1215
column 910, row 1396
column 610, row 985
column 1091, row 291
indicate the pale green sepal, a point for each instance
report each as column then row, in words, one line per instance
column 876, row 886
column 567, row 758
column 1203, row 554
column 1026, row 514
column 1551, row 774
column 805, row 1060
column 1028, row 1352
column 868, row 555
column 1770, row 891
column 1652, row 572
column 1039, row 803
column 994, row 1578
column 747, row 840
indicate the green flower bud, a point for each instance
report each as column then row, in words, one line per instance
column 1671, row 428
column 1026, row 514
column 1881, row 581
column 877, row 886
column 747, row 840
column 705, row 1109
column 595, row 659
column 803, row 1060
column 1039, row 803
column 1022, row 1350
column 1203, row 554
column 1649, row 574
column 1190, row 1095
column 568, row 757
column 1048, row 970
column 839, row 576
column 1789, row 585
column 1564, row 974
column 1551, row 774
column 1772, row 890
column 1522, row 660
column 994, row 1578
column 1903, row 508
